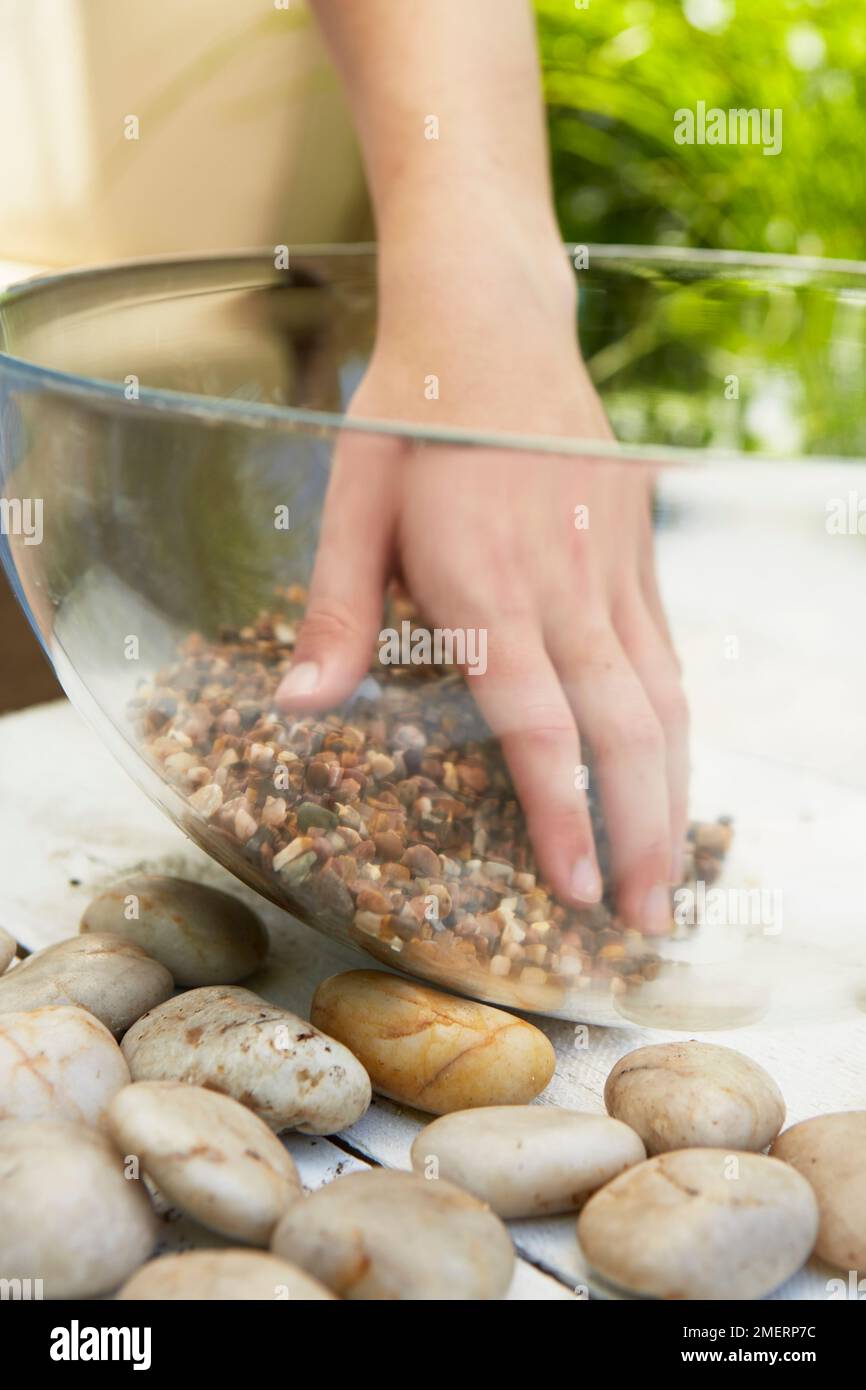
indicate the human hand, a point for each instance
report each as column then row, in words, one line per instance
column 485, row 539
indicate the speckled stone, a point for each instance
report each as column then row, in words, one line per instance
column 111, row 978
column 8, row 948
column 830, row 1152
column 225, row 1275
column 228, row 1039
column 201, row 936
column 384, row 1234
column 695, row 1095
column 209, row 1155
column 526, row 1160
column 69, row 1214
column 700, row 1224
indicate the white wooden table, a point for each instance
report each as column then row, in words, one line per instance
column 71, row 822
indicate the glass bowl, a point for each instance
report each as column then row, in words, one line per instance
column 166, row 435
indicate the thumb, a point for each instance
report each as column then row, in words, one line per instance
column 344, row 610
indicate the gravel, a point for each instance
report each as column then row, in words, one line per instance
column 392, row 822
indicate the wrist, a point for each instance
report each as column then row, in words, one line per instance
column 444, row 259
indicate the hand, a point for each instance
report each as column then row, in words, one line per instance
column 577, row 643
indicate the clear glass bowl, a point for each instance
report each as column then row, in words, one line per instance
column 155, row 418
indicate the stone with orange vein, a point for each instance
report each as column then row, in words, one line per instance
column 430, row 1050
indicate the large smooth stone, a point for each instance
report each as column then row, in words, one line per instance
column 226, row 1275
column 433, row 1050
column 228, row 1039
column 8, row 947
column 202, row 936
column 695, row 1095
column 58, row 1063
column 526, row 1160
column 109, row 977
column 209, row 1155
column 830, row 1152
column 69, row 1216
column 700, row 1224
column 390, row 1235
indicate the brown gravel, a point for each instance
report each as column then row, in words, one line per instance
column 392, row 822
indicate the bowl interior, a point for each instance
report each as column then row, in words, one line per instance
column 164, row 413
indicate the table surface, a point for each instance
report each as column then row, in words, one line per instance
column 73, row 822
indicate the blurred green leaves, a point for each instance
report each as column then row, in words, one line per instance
column 616, row 71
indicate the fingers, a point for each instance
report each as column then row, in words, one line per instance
column 344, row 610
column 628, row 745
column 657, row 667
column 653, row 600
column 523, row 702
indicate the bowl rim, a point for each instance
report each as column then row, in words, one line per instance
column 214, row 410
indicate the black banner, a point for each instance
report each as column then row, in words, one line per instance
column 64, row 1339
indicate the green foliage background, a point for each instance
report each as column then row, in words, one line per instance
column 616, row 71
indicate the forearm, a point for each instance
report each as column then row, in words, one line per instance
column 464, row 72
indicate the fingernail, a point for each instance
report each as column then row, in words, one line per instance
column 301, row 680
column 585, row 881
column 657, row 910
